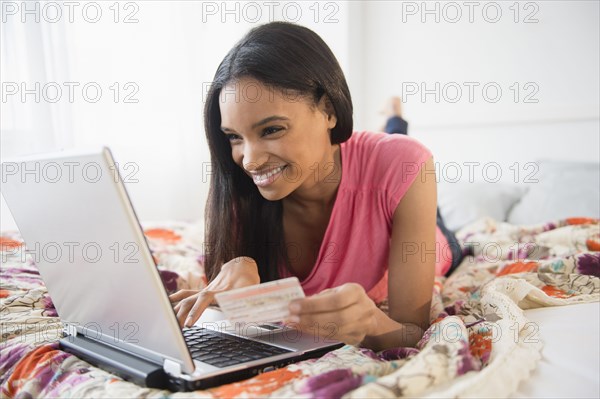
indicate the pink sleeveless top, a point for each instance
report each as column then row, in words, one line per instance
column 377, row 170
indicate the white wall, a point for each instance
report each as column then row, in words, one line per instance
column 406, row 48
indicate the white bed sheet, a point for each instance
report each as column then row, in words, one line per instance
column 570, row 364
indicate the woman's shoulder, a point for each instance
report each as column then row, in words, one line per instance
column 386, row 163
column 367, row 145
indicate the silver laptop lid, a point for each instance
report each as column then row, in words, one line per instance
column 79, row 226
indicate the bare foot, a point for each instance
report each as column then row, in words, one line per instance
column 393, row 107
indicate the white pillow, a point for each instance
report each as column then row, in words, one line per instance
column 565, row 189
column 462, row 202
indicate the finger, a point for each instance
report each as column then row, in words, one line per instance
column 311, row 321
column 334, row 300
column 326, row 291
column 329, row 327
column 205, row 298
column 184, row 308
column 181, row 294
column 337, row 318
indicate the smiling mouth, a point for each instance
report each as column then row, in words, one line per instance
column 267, row 177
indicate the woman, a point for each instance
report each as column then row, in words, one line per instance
column 295, row 193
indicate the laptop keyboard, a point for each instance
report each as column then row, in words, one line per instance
column 221, row 350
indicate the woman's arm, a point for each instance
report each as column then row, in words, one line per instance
column 411, row 266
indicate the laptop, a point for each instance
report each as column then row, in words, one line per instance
column 79, row 226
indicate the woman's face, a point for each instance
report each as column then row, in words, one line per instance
column 279, row 139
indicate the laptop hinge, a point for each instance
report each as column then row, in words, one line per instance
column 70, row 329
column 172, row 368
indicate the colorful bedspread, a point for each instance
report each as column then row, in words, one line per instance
column 479, row 344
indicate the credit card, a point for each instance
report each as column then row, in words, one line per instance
column 267, row 302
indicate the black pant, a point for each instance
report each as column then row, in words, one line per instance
column 396, row 124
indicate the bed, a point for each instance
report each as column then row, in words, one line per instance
column 481, row 342
column 519, row 317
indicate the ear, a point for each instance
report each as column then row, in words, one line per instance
column 326, row 107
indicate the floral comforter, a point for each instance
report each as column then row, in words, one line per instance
column 479, row 344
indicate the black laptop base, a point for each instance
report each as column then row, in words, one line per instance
column 129, row 368
column 152, row 375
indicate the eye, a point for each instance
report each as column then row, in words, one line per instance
column 271, row 130
column 232, row 137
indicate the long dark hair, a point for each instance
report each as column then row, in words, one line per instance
column 239, row 220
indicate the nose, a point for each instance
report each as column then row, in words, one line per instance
column 253, row 156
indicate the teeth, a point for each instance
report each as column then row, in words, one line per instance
column 260, row 178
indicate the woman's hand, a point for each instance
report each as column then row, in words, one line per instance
column 344, row 313
column 237, row 273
